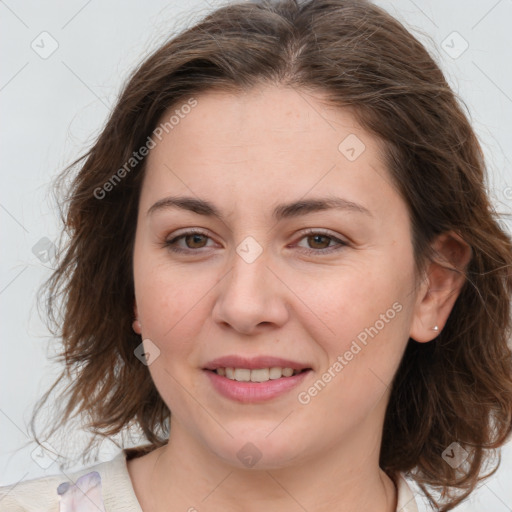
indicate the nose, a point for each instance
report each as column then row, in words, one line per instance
column 251, row 297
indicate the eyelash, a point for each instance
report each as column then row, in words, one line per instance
column 171, row 244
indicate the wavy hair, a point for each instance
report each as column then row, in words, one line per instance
column 457, row 388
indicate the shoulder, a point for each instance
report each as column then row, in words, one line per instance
column 103, row 487
column 406, row 501
column 39, row 494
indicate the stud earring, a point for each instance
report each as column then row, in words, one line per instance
column 435, row 328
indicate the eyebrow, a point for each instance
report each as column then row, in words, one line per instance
column 281, row 211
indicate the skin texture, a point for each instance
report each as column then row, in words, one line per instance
column 247, row 153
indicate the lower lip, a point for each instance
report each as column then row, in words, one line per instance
column 249, row 392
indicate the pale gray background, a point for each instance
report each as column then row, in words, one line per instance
column 52, row 108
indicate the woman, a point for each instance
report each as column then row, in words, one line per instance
column 284, row 268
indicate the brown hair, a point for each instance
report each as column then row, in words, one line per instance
column 457, row 388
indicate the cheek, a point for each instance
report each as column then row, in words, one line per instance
column 362, row 355
column 169, row 297
column 350, row 300
column 364, row 328
column 171, row 306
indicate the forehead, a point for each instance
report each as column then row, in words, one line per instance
column 263, row 116
column 248, row 143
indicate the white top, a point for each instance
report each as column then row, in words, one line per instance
column 104, row 487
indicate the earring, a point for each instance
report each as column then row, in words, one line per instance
column 435, row 328
column 137, row 326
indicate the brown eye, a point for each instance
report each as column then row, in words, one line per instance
column 319, row 241
column 195, row 241
column 189, row 242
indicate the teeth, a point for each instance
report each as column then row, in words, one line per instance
column 275, row 373
column 260, row 375
column 242, row 375
column 256, row 375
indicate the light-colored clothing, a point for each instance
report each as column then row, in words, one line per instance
column 104, row 487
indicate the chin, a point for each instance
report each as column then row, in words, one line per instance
column 255, row 451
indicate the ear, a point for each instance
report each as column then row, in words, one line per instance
column 443, row 281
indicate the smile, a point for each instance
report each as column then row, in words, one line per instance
column 253, row 391
column 257, row 374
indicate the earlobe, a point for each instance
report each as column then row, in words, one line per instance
column 136, row 325
column 444, row 278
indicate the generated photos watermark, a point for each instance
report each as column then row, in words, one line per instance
column 143, row 151
column 357, row 345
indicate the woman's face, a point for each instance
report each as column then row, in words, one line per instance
column 304, row 254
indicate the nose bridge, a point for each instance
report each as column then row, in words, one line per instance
column 250, row 294
column 249, row 270
column 249, row 264
column 248, row 279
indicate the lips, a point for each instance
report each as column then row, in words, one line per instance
column 236, row 361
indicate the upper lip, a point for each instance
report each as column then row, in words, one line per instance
column 237, row 361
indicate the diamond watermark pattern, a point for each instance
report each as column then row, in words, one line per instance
column 249, row 249
column 45, row 45
column 44, row 456
column 351, row 147
column 45, row 250
column 454, row 45
column 249, row 455
column 147, row 352
column 455, row 455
